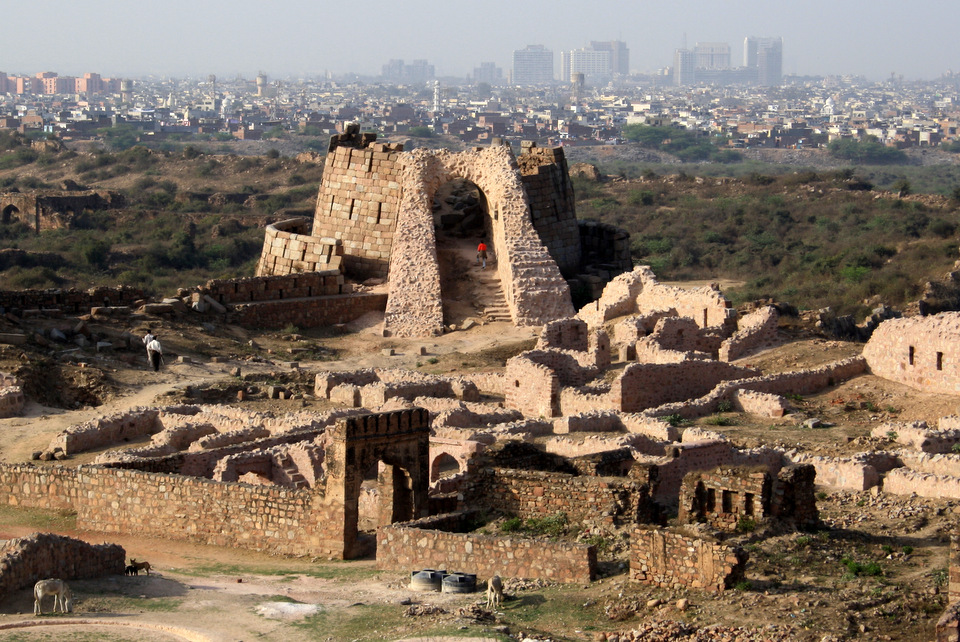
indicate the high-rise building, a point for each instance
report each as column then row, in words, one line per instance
column 619, row 55
column 417, row 71
column 489, row 73
column 532, row 65
column 712, row 55
column 684, row 66
column 594, row 65
column 766, row 56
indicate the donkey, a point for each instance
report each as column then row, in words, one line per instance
column 494, row 592
column 140, row 566
column 61, row 593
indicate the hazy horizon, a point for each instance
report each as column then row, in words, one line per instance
column 180, row 38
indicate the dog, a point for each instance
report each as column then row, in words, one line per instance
column 131, row 570
column 494, row 592
column 140, row 566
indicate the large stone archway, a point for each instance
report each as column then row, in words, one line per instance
column 533, row 286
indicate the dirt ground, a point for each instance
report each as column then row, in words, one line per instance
column 874, row 571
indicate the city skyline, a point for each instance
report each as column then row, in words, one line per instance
column 308, row 39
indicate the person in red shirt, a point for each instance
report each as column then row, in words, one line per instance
column 482, row 254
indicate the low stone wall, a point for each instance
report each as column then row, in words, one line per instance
column 306, row 313
column 289, row 248
column 108, row 500
column 11, row 401
column 643, row 386
column 600, row 501
column 106, row 431
column 26, row 560
column 427, row 543
column 675, row 560
column 919, row 436
column 274, row 288
column 948, row 465
column 850, row 474
column 756, row 330
column 68, row 301
column 901, row 481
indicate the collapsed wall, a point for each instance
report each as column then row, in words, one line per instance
column 675, row 560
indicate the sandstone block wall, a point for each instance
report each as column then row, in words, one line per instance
column 26, row 560
column 674, row 560
column 852, row 474
column 359, row 200
column 309, row 313
column 755, row 331
column 68, row 301
column 901, row 481
column 605, row 248
column 428, row 543
column 288, row 247
column 266, row 518
column 920, row 352
column 274, row 288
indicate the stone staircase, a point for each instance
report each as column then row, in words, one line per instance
column 489, row 295
column 292, row 473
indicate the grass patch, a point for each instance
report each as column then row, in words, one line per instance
column 40, row 519
column 343, row 571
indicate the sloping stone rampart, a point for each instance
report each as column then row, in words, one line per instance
column 288, row 247
column 674, row 560
column 26, row 560
column 755, row 331
column 428, row 543
column 920, row 352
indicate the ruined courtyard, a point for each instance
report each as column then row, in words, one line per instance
column 696, row 462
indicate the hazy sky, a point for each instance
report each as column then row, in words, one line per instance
column 179, row 37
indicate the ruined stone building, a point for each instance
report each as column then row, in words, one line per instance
column 375, row 218
column 48, row 210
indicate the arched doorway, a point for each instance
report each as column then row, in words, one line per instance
column 10, row 214
column 444, row 465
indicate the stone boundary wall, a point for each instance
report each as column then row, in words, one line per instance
column 920, row 352
column 491, row 382
column 108, row 500
column 901, row 481
column 374, row 386
column 288, row 247
column 11, row 401
column 756, row 331
column 642, row 386
column 68, row 301
column 274, row 288
column 306, row 313
column 597, row 444
column 427, row 543
column 591, row 501
column 674, row 560
column 26, row 560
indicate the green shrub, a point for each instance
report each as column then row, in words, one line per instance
column 724, row 406
column 746, row 525
column 675, row 420
column 511, row 525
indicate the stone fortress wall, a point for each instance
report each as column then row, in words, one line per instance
column 921, row 352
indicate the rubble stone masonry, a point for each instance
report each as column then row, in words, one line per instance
column 429, row 543
column 68, row 301
column 675, row 560
column 25, row 560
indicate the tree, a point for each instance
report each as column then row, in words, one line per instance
column 121, row 136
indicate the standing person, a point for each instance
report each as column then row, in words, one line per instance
column 155, row 353
column 482, row 254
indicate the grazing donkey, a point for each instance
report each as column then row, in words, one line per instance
column 60, row 592
column 494, row 592
column 140, row 566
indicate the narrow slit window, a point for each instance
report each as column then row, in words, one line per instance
column 939, row 361
column 711, row 499
column 910, row 356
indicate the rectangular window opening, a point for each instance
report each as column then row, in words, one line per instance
column 911, row 355
column 939, row 361
column 727, row 501
column 711, row 500
column 748, row 504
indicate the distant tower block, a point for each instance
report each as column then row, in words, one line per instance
column 261, row 84
column 576, row 85
column 126, row 90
